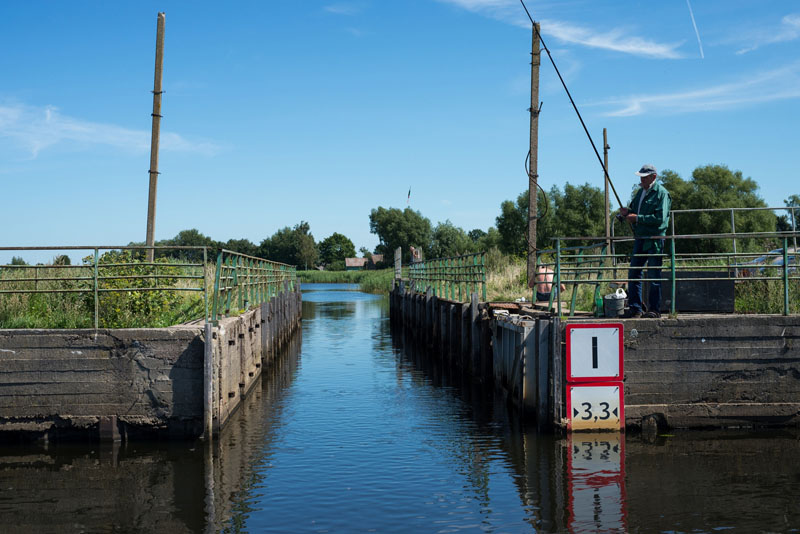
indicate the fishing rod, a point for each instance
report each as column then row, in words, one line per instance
column 574, row 106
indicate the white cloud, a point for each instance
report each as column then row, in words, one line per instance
column 38, row 128
column 789, row 30
column 616, row 39
column 778, row 84
column 343, row 9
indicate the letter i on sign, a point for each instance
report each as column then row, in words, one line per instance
column 594, row 352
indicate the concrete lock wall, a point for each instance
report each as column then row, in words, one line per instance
column 243, row 344
column 66, row 381
column 713, row 371
column 689, row 372
column 129, row 383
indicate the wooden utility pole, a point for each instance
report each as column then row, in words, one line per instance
column 151, row 200
column 533, row 175
column 605, row 180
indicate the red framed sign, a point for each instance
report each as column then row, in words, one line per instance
column 594, row 352
column 599, row 406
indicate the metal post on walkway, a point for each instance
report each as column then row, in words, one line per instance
column 96, row 288
column 733, row 231
column 558, row 277
column 785, row 276
column 672, row 307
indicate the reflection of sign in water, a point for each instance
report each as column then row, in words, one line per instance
column 596, row 483
column 594, row 352
column 595, row 406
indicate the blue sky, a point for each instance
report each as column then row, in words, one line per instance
column 288, row 110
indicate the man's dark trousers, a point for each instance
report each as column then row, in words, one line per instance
column 635, row 275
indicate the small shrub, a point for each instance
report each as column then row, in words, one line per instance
column 133, row 309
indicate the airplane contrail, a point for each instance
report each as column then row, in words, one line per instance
column 695, row 30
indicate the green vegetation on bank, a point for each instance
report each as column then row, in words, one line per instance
column 506, row 282
column 377, row 281
column 571, row 210
column 73, row 305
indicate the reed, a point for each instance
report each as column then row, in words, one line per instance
column 377, row 281
column 76, row 309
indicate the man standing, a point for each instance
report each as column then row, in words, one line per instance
column 648, row 212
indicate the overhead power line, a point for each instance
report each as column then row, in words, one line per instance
column 574, row 106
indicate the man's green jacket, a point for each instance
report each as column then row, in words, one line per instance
column 652, row 218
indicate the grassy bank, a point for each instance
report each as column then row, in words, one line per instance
column 72, row 302
column 74, row 308
column 507, row 282
column 379, row 281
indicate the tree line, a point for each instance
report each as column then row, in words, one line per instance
column 579, row 210
column 291, row 245
column 571, row 210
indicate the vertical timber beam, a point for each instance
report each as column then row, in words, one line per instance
column 533, row 175
column 475, row 339
column 151, row 199
column 208, row 383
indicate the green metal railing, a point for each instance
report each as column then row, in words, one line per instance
column 243, row 281
column 97, row 277
column 239, row 283
column 580, row 263
column 455, row 278
column 737, row 265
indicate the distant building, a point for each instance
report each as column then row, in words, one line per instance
column 355, row 264
column 360, row 264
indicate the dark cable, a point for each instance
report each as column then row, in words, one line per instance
column 575, row 107
column 530, row 179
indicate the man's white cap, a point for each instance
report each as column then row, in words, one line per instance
column 647, row 170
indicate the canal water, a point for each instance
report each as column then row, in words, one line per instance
column 352, row 430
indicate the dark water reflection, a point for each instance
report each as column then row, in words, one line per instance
column 352, row 430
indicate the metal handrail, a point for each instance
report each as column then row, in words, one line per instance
column 246, row 281
column 95, row 281
column 677, row 262
column 455, row 278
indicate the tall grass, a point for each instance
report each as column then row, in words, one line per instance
column 76, row 309
column 506, row 277
column 377, row 281
column 506, row 282
column 766, row 296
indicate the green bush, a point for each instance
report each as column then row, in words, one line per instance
column 766, row 296
column 134, row 309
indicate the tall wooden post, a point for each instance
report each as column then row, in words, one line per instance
column 533, row 175
column 605, row 180
column 151, row 200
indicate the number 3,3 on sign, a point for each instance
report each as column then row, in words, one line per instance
column 594, row 352
column 595, row 406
